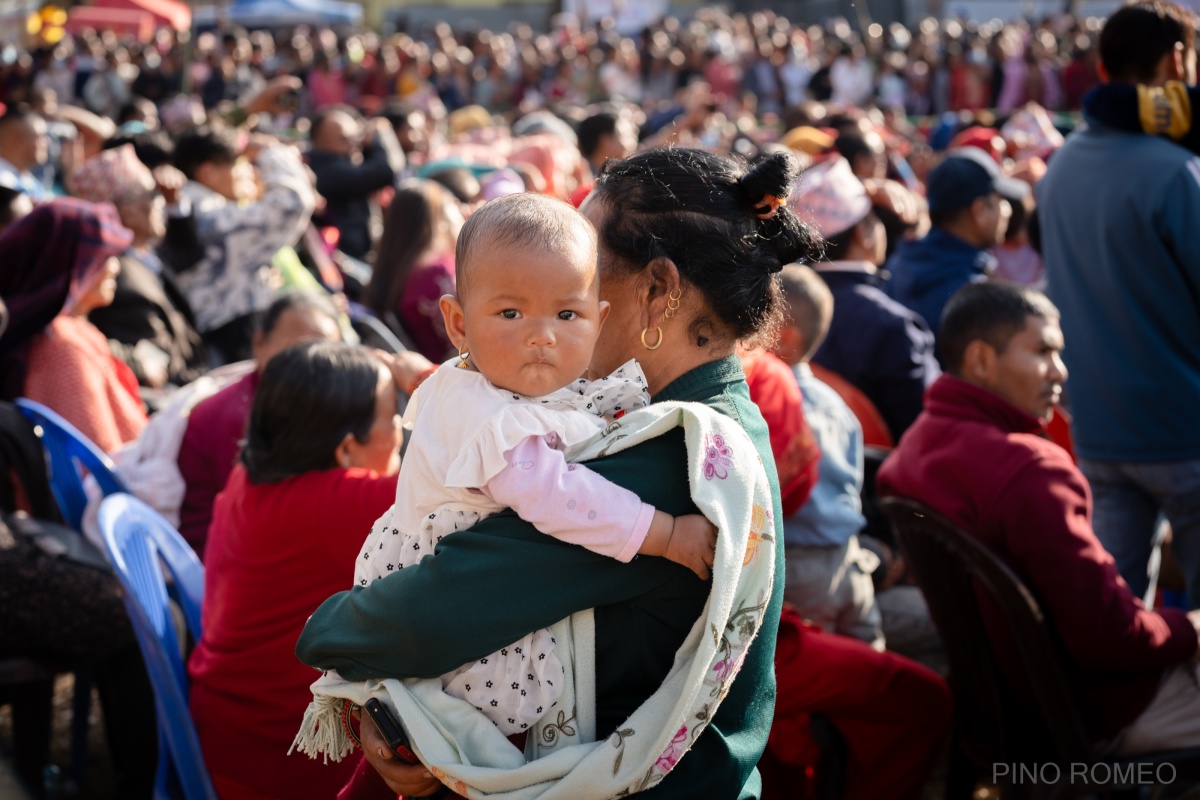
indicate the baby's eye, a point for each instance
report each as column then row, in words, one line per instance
column 510, row 313
column 567, row 316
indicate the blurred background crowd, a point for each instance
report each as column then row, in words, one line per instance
column 205, row 197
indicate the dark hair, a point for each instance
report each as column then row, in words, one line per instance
column 1019, row 221
column 853, row 145
column 700, row 210
column 894, row 228
column 131, row 110
column 592, row 129
column 18, row 113
column 945, row 217
column 296, row 301
column 1136, row 37
column 7, row 198
column 992, row 311
column 205, row 145
column 310, row 396
column 460, row 181
column 526, row 221
column 153, row 148
column 408, row 231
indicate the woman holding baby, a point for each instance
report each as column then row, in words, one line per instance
column 689, row 244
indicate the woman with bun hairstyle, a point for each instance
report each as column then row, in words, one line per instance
column 690, row 247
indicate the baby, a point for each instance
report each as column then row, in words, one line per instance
column 495, row 429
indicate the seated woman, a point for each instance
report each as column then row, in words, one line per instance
column 215, row 427
column 60, row 263
column 319, row 465
column 414, row 264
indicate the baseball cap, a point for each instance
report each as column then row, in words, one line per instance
column 805, row 139
column 966, row 175
column 988, row 140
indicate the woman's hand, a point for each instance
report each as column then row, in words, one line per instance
column 409, row 780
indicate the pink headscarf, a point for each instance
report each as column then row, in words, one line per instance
column 110, row 175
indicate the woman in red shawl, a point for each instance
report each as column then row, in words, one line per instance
column 59, row 264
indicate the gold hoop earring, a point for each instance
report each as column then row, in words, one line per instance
column 673, row 303
column 463, row 354
column 657, row 344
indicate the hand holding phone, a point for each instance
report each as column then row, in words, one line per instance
column 389, row 728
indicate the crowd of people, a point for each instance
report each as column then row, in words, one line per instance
column 655, row 311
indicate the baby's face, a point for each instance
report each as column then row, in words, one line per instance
column 532, row 316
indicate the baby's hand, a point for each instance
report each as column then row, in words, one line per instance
column 693, row 544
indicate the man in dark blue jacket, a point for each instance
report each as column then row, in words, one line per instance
column 352, row 162
column 968, row 204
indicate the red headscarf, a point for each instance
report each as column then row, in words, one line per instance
column 41, row 256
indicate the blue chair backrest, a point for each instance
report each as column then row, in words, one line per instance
column 136, row 537
column 72, row 455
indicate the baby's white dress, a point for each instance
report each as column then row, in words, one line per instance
column 462, row 427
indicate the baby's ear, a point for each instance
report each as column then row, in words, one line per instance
column 605, row 307
column 455, row 320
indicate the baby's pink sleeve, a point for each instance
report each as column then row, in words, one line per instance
column 569, row 501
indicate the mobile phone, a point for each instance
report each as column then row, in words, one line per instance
column 390, row 728
column 289, row 100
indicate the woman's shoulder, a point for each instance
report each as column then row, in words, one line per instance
column 75, row 331
column 67, row 342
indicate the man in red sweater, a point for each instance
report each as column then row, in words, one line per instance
column 978, row 455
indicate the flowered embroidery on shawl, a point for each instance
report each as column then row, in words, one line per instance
column 674, row 751
column 760, row 524
column 718, row 457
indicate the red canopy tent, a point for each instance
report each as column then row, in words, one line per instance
column 130, row 21
column 170, row 13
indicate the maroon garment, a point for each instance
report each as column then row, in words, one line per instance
column 986, row 465
column 419, row 311
column 1078, row 79
column 276, row 551
column 892, row 713
column 209, row 452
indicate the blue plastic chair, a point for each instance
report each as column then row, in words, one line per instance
column 72, row 455
column 136, row 537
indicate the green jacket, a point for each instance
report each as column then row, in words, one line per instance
column 487, row 586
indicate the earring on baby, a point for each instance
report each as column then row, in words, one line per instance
column 463, row 354
column 672, row 306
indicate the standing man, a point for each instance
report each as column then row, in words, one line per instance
column 352, row 162
column 1118, row 214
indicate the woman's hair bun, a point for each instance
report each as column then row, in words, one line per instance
column 773, row 175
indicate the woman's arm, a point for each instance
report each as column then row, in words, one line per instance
column 489, row 585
